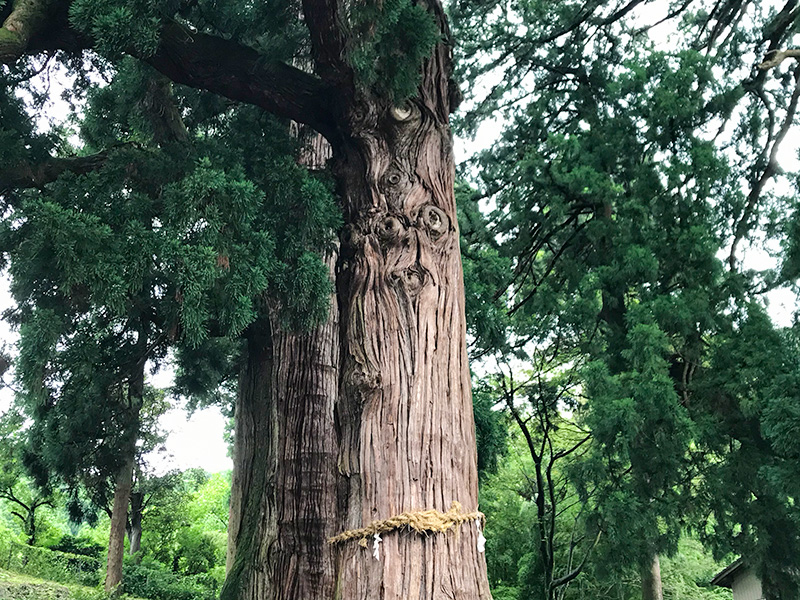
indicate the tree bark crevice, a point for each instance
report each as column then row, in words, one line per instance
column 404, row 414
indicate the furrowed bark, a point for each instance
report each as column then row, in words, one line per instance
column 327, row 40
column 405, row 408
column 253, row 459
column 306, row 387
column 404, row 416
column 291, row 489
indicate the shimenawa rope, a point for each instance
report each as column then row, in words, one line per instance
column 421, row 522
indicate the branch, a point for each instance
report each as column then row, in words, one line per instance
column 26, row 19
column 16, row 514
column 775, row 57
column 240, row 73
column 769, row 172
column 25, row 174
column 327, row 40
column 187, row 57
column 577, row 571
column 8, row 494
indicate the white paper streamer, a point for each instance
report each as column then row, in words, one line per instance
column 481, row 538
column 376, row 542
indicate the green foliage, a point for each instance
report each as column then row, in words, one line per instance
column 181, row 235
column 185, row 526
column 623, row 173
column 71, row 544
column 53, row 565
column 506, row 498
column 490, row 428
column 390, row 41
column 689, row 572
column 487, row 275
column 160, row 584
column 118, row 26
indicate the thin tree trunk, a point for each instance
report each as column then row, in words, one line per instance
column 119, row 517
column 30, row 525
column 135, row 523
column 651, row 580
column 124, row 479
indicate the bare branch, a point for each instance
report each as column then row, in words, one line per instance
column 772, row 168
column 577, row 570
column 775, row 57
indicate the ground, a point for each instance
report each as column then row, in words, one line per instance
column 24, row 587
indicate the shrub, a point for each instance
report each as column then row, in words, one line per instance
column 158, row 584
column 53, row 565
column 78, row 545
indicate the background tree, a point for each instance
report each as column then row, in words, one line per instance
column 619, row 248
column 16, row 488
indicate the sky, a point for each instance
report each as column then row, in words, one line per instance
column 194, row 441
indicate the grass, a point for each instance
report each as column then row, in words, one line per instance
column 14, row 586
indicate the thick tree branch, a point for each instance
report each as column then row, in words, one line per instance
column 26, row 19
column 26, row 174
column 191, row 58
column 327, row 40
column 775, row 57
column 240, row 73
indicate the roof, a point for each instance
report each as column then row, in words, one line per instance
column 725, row 577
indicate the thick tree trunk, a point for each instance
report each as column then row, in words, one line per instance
column 651, row 580
column 306, row 386
column 135, row 523
column 119, row 517
column 280, row 550
column 405, row 408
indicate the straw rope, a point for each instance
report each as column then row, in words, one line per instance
column 421, row 521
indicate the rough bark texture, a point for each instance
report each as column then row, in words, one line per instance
column 252, row 452
column 407, row 437
column 400, row 386
column 306, row 385
column 651, row 580
column 288, row 441
column 26, row 17
column 119, row 517
column 405, row 410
